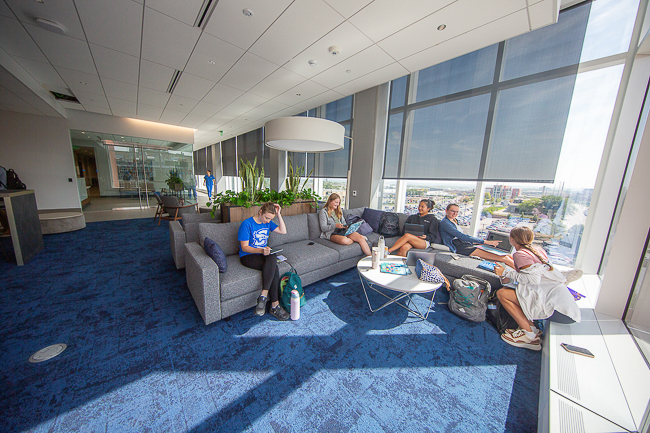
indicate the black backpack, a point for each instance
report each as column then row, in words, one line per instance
column 389, row 224
column 13, row 181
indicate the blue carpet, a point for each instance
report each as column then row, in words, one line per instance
column 140, row 359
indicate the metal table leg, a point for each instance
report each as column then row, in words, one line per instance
column 396, row 299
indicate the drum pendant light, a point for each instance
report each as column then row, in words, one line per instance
column 304, row 134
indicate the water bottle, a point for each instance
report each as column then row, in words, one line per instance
column 295, row 305
column 381, row 244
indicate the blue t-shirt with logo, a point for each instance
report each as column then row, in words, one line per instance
column 256, row 234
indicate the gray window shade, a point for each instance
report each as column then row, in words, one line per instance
column 208, row 159
column 332, row 164
column 200, row 161
column 393, row 146
column 398, row 92
column 340, row 110
column 229, row 157
column 250, row 146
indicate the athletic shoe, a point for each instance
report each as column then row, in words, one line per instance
column 538, row 334
column 260, row 308
column 572, row 275
column 279, row 313
column 518, row 338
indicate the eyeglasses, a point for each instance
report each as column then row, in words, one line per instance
column 452, row 211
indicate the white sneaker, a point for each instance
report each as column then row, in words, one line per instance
column 518, row 338
column 572, row 275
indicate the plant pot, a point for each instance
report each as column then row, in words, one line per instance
column 230, row 213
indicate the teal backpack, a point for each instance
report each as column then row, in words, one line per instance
column 290, row 281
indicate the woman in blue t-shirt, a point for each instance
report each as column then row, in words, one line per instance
column 208, row 181
column 255, row 254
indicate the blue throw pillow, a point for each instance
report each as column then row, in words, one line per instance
column 372, row 217
column 216, row 253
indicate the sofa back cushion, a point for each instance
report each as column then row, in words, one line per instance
column 372, row 217
column 191, row 225
column 224, row 234
column 313, row 225
column 402, row 220
column 356, row 211
column 296, row 230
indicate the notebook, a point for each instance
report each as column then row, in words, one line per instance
column 353, row 228
column 414, row 229
column 394, row 268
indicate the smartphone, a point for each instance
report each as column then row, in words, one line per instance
column 577, row 350
column 310, row 243
column 275, row 251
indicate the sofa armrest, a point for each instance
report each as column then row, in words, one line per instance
column 177, row 241
column 202, row 275
column 439, row 247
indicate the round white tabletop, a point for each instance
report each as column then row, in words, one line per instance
column 400, row 283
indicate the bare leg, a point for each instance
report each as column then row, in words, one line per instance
column 408, row 238
column 404, row 250
column 341, row 240
column 508, row 299
column 356, row 237
column 493, row 257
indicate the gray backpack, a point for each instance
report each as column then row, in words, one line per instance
column 468, row 298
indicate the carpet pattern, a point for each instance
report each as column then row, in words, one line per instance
column 140, row 359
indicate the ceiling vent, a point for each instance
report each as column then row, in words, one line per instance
column 63, row 97
column 205, row 13
column 176, row 76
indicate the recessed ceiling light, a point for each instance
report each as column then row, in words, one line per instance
column 312, row 62
column 212, row 62
column 442, row 27
column 298, row 94
column 247, row 12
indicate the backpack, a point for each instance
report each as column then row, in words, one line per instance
column 290, row 281
column 468, row 298
column 389, row 224
column 365, row 228
column 499, row 317
column 13, row 181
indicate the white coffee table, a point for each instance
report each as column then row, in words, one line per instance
column 395, row 287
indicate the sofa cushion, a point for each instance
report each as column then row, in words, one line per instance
column 191, row 225
column 402, row 220
column 372, row 217
column 313, row 225
column 224, row 234
column 296, row 230
column 306, row 258
column 213, row 250
column 344, row 251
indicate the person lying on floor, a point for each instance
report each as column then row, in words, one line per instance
column 459, row 242
column 423, row 218
column 331, row 218
column 541, row 291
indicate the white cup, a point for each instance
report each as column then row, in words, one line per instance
column 375, row 257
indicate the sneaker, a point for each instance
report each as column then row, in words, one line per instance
column 279, row 313
column 518, row 338
column 260, row 308
column 538, row 334
column 572, row 275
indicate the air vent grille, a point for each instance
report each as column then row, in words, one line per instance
column 205, row 13
column 174, row 81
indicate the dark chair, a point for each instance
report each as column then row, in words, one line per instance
column 159, row 209
column 174, row 210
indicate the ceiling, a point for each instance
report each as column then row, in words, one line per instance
column 117, row 138
column 118, row 57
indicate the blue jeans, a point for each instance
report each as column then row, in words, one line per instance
column 190, row 189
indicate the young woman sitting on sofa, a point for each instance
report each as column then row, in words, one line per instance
column 431, row 235
column 255, row 254
column 459, row 242
column 331, row 218
column 541, row 291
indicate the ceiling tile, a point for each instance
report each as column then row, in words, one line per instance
column 278, row 82
column 15, row 40
column 64, row 50
column 61, row 11
column 247, row 72
column 186, row 11
column 205, row 109
column 167, row 41
column 148, row 112
column 295, row 30
column 459, row 17
column 381, row 18
column 346, row 37
column 192, row 121
column 155, row 76
column 323, row 98
column 191, row 86
column 115, row 24
column 72, row 105
column 300, row 93
column 267, row 109
column 115, row 65
column 243, row 104
column 383, row 75
column 543, row 13
column 368, row 60
column 91, row 99
column 75, row 81
column 221, row 95
column 181, row 103
column 122, row 108
column 5, row 11
column 100, row 110
column 211, row 49
column 120, row 90
column 42, row 72
column 27, row 109
column 152, row 97
column 347, row 8
column 172, row 117
column 496, row 31
column 230, row 24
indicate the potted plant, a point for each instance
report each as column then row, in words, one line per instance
column 173, row 179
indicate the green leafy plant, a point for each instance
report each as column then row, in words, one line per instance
column 252, row 179
column 294, row 177
column 173, row 179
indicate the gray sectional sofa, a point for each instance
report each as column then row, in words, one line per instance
column 186, row 231
column 219, row 295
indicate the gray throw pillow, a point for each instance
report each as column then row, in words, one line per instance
column 372, row 217
column 216, row 253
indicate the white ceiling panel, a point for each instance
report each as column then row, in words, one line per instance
column 221, row 95
column 155, row 76
column 22, row 108
column 323, row 98
column 152, row 97
column 230, row 24
column 212, row 57
column 15, row 40
column 167, row 41
column 100, row 110
column 488, row 34
column 34, row 101
column 181, row 104
column 42, row 72
column 185, row 11
column 243, row 104
column 206, row 110
column 122, row 108
column 60, row 11
column 347, row 8
column 72, row 105
column 75, row 81
column 51, row 112
column 347, row 37
column 295, row 29
column 368, row 60
column 267, row 109
column 382, row 18
column 192, row 121
column 425, row 34
column 172, row 117
column 116, row 65
column 63, row 51
column 5, row 11
column 543, row 13
column 149, row 112
column 247, row 72
column 8, row 97
column 91, row 99
column 115, row 24
column 193, row 87
column 120, row 90
column 278, row 82
column 382, row 75
column 300, row 93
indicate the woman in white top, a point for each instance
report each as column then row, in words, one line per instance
column 541, row 291
column 331, row 218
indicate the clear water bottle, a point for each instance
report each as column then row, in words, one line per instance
column 295, row 305
column 381, row 244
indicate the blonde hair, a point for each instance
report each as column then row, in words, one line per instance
column 337, row 211
column 524, row 236
column 267, row 207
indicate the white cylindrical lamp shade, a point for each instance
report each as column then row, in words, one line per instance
column 304, row 134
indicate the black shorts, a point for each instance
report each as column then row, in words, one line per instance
column 463, row 248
